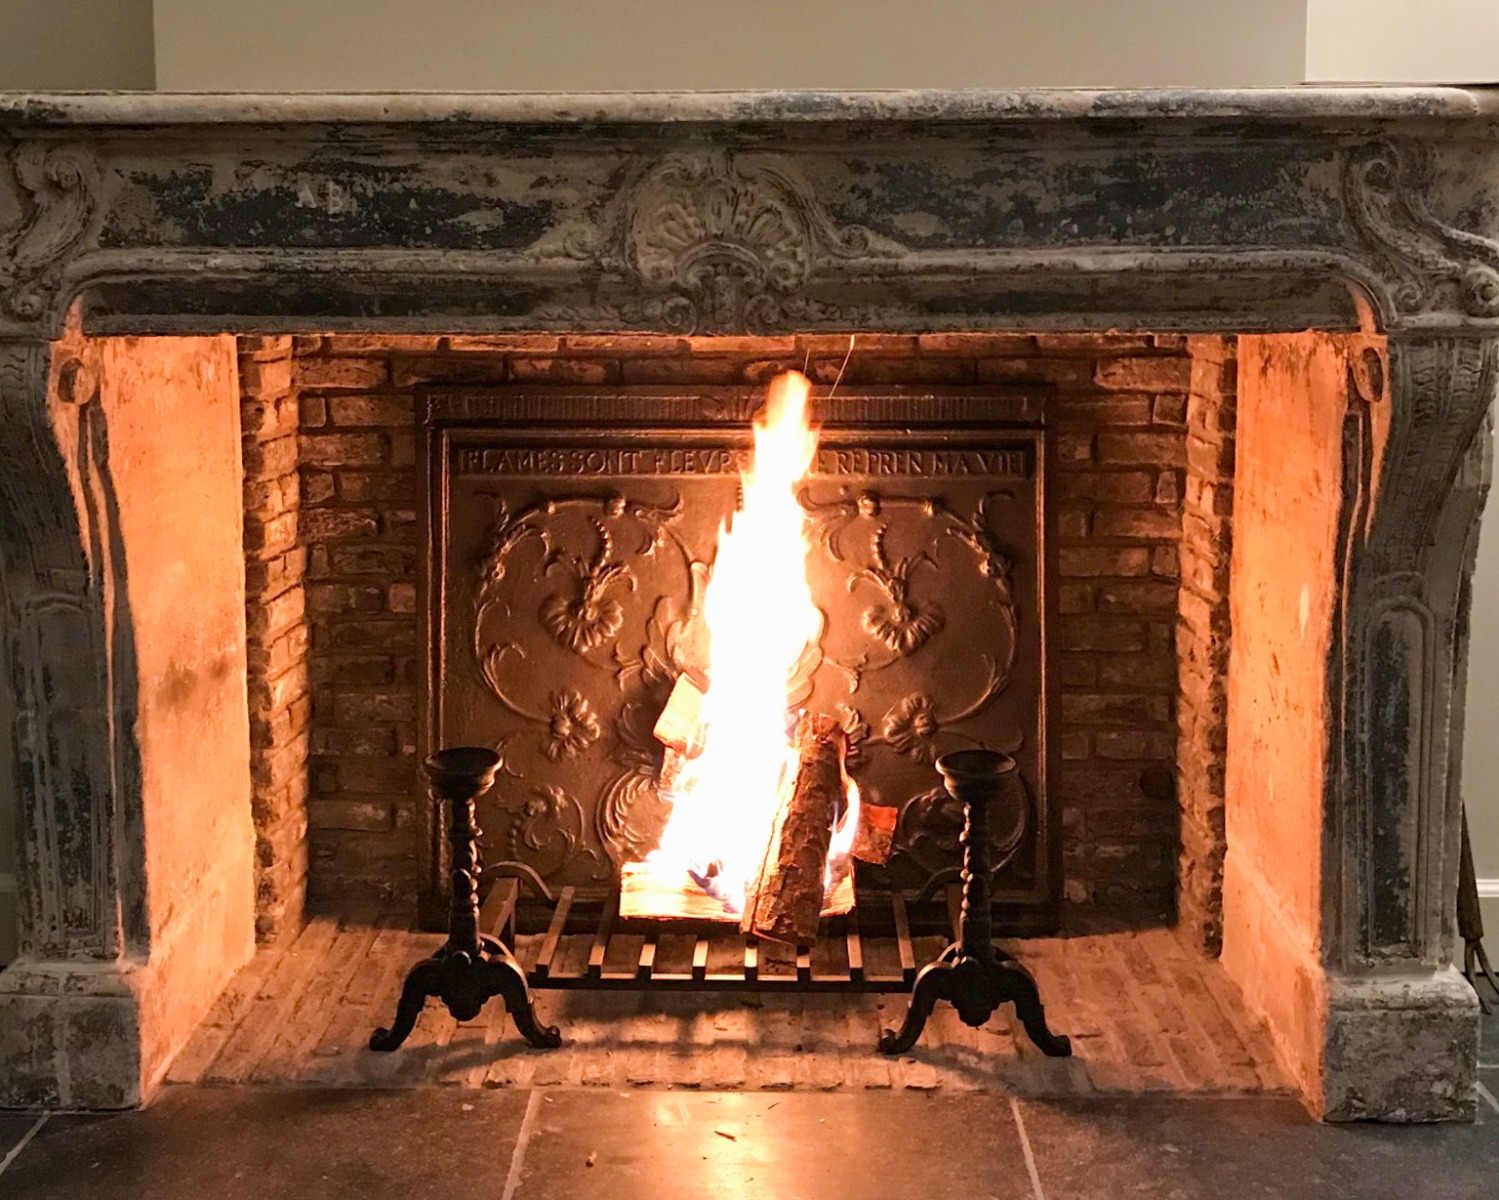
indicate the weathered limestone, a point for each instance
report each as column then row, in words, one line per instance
column 135, row 773
column 904, row 213
column 1344, row 701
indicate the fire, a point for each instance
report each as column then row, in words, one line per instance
column 760, row 619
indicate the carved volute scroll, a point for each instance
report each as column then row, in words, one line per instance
column 1416, row 469
column 1429, row 267
column 52, row 583
column 49, row 196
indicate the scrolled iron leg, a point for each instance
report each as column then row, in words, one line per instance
column 931, row 985
column 507, row 980
column 1016, row 983
column 423, row 981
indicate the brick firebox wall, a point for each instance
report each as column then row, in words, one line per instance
column 1120, row 454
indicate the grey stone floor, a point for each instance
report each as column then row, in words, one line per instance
column 264, row 1143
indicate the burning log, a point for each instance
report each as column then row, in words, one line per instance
column 875, row 837
column 786, row 900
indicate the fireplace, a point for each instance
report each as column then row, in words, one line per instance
column 331, row 412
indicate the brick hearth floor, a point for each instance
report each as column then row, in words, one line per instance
column 1146, row 1014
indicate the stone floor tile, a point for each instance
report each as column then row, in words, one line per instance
column 1266, row 1148
column 278, row 1144
column 790, row 1146
column 13, row 1127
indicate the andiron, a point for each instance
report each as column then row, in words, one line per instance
column 470, row 969
column 972, row 974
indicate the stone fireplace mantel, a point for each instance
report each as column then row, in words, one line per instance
column 1371, row 214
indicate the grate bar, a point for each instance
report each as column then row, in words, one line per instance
column 804, row 964
column 855, row 948
column 903, row 938
column 751, row 959
column 700, row 959
column 543, row 967
column 647, row 961
column 601, row 938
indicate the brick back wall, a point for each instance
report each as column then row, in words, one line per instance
column 1119, row 455
column 276, row 634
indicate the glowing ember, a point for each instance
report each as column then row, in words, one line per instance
column 760, row 620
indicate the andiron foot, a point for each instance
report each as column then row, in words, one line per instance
column 975, row 986
column 470, row 969
column 465, row 984
column 971, row 974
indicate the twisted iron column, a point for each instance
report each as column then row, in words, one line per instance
column 470, row 969
column 972, row 974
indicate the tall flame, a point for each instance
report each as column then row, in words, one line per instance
column 760, row 618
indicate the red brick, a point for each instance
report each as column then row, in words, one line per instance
column 402, row 598
column 366, row 486
column 1209, row 459
column 317, row 486
column 1065, row 374
column 1120, row 487
column 1080, row 561
column 1161, row 373
column 320, row 524
column 381, row 343
column 342, row 449
column 1110, row 634
column 1114, row 708
column 372, row 410
column 1143, row 447
column 370, row 741
column 270, row 459
column 267, row 417
column 326, row 374
column 1081, row 411
column 564, row 370
column 356, row 708
column 328, row 599
column 1152, row 597
column 375, row 816
column 978, row 345
column 389, row 561
column 270, row 536
column 1140, row 523
column 449, row 368
column 504, row 343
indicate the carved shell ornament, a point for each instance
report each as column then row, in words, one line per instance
column 719, row 243
column 48, row 196
column 1433, row 265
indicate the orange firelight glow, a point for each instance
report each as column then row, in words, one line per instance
column 760, row 619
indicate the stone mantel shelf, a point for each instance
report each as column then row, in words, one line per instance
column 1278, row 105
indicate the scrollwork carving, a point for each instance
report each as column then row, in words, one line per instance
column 716, row 242
column 1433, row 266
column 48, row 198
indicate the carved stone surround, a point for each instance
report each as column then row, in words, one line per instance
column 1255, row 211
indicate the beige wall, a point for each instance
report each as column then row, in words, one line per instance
column 599, row 45
column 1402, row 41
column 75, row 45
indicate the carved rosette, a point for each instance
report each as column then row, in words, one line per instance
column 1431, row 267
column 714, row 243
column 49, row 195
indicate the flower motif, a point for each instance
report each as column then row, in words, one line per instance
column 582, row 623
column 573, row 726
column 911, row 728
column 903, row 626
column 855, row 734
